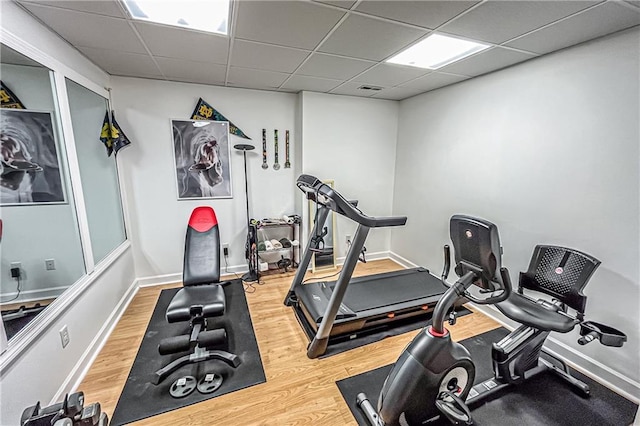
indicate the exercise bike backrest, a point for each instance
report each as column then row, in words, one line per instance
column 478, row 257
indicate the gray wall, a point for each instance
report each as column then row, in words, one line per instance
column 547, row 150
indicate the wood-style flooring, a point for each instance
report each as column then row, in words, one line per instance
column 298, row 390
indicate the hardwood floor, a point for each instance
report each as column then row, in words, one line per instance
column 298, row 390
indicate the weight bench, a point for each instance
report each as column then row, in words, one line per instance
column 201, row 297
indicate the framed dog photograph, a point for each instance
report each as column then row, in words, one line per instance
column 202, row 159
column 29, row 159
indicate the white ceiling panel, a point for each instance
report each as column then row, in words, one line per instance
column 123, row 63
column 429, row 14
column 303, row 82
column 390, row 75
column 433, row 81
column 499, row 21
column 256, row 79
column 367, row 38
column 398, row 93
column 599, row 21
column 287, row 23
column 196, row 72
column 346, row 4
column 487, row 61
column 174, row 42
column 351, row 88
column 337, row 67
column 89, row 30
column 330, row 45
column 101, row 7
column 249, row 54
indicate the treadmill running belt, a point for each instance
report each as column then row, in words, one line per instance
column 375, row 291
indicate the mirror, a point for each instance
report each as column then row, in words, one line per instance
column 98, row 172
column 325, row 257
column 41, row 252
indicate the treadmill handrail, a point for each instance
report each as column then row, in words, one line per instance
column 322, row 193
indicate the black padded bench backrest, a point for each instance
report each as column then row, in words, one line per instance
column 477, row 248
column 560, row 272
column 202, row 248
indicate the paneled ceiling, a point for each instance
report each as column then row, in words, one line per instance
column 330, row 46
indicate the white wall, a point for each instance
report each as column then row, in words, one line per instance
column 144, row 109
column 547, row 150
column 352, row 141
column 37, row 367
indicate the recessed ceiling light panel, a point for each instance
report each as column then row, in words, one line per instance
column 437, row 51
column 205, row 15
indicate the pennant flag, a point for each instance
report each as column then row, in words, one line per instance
column 119, row 139
column 8, row 99
column 105, row 134
column 112, row 135
column 204, row 111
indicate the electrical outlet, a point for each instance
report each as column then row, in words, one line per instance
column 225, row 249
column 50, row 264
column 64, row 336
column 16, row 270
column 348, row 239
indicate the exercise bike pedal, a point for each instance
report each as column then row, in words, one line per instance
column 454, row 409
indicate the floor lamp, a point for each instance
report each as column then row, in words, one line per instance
column 251, row 252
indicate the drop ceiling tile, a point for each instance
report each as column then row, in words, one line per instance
column 303, row 82
column 499, row 21
column 89, row 30
column 287, row 23
column 487, row 61
column 429, row 14
column 104, row 7
column 391, row 75
column 191, row 71
column 327, row 66
column 345, row 4
column 174, row 42
column 123, row 63
column 433, row 81
column 256, row 79
column 368, row 38
column 351, row 88
column 249, row 54
column 398, row 93
column 599, row 21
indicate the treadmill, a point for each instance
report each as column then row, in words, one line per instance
column 348, row 308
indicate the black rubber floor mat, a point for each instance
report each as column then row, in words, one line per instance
column 141, row 399
column 542, row 401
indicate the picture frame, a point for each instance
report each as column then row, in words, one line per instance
column 326, row 257
column 202, row 159
column 30, row 164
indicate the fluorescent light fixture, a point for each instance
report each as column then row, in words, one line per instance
column 205, row 15
column 437, row 51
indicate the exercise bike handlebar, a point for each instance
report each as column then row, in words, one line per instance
column 323, row 194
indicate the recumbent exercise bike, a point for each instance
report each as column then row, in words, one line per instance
column 434, row 376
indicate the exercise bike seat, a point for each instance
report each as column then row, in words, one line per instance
column 559, row 272
column 536, row 314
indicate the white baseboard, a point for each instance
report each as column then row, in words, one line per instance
column 588, row 366
column 369, row 256
column 402, row 261
column 150, row 281
column 85, row 362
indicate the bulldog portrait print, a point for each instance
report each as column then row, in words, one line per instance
column 201, row 150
